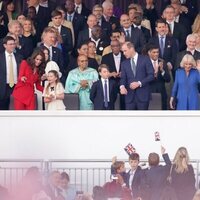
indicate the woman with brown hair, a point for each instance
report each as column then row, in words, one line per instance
column 30, row 73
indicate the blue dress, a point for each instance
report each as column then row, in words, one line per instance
column 185, row 89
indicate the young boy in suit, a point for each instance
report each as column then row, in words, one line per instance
column 103, row 93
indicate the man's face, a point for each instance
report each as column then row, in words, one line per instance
column 177, row 9
column 169, row 14
column 153, row 54
column 191, row 43
column 32, row 2
column 98, row 12
column 115, row 46
column 70, row 6
column 125, row 21
column 161, row 28
column 57, row 20
column 10, row 46
column 15, row 29
column 115, row 36
column 49, row 38
column 96, row 32
column 104, row 73
column 108, row 11
column 128, row 52
column 92, row 21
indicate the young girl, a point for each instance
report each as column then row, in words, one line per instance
column 54, row 92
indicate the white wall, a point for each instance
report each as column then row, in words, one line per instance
column 95, row 135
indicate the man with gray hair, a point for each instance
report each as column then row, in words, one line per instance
column 190, row 43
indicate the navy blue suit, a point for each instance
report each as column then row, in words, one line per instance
column 145, row 74
column 97, row 96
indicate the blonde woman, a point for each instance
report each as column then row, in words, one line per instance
column 185, row 88
column 183, row 179
column 196, row 24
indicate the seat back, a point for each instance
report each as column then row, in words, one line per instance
column 155, row 102
column 71, row 101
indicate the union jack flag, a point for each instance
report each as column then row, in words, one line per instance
column 129, row 149
column 157, row 136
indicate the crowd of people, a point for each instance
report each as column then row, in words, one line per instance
column 175, row 180
column 60, row 48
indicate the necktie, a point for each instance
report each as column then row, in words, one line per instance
column 128, row 34
column 11, row 72
column 105, row 94
column 77, row 7
column 162, row 45
column 133, row 66
column 69, row 18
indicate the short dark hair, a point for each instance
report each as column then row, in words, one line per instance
column 134, row 156
column 8, row 38
column 160, row 21
column 103, row 66
column 153, row 159
column 65, row 175
column 55, row 13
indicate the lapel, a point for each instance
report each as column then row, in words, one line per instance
column 4, row 65
column 113, row 62
column 101, row 88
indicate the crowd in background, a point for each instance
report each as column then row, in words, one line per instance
column 59, row 48
column 173, row 181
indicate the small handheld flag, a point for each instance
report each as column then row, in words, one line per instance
column 157, row 136
column 129, row 149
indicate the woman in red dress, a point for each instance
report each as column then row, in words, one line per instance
column 30, row 73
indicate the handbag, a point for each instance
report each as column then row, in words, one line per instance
column 169, row 178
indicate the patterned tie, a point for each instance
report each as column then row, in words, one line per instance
column 133, row 66
column 162, row 45
column 11, row 72
column 105, row 94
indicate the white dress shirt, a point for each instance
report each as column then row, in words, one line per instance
column 14, row 63
column 117, row 59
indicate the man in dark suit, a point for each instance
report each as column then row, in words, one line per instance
column 97, row 38
column 9, row 69
column 65, row 33
column 168, row 48
column 85, row 34
column 132, row 34
column 191, row 43
column 103, row 93
column 161, row 74
column 176, row 29
column 43, row 16
column 82, row 9
column 78, row 21
column 136, row 74
column 97, row 10
column 48, row 39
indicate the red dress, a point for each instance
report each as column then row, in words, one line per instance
column 24, row 91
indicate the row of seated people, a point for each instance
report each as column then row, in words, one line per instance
column 146, row 183
column 168, row 45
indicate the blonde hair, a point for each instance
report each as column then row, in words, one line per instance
column 196, row 24
column 188, row 58
column 181, row 160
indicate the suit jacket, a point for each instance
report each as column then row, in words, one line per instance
column 113, row 21
column 170, row 49
column 3, row 72
column 137, row 38
column 180, row 55
column 67, row 44
column 83, row 36
column 108, row 59
column 79, row 23
column 97, row 95
column 144, row 74
column 180, row 33
column 137, row 182
column 101, row 45
column 85, row 11
column 146, row 33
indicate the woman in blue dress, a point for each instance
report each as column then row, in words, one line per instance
column 185, row 89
